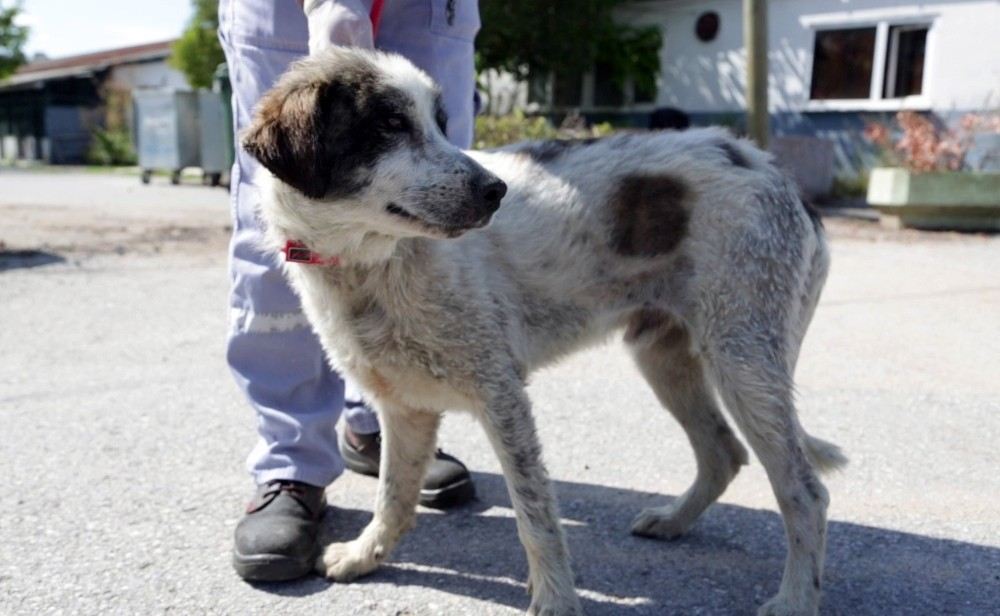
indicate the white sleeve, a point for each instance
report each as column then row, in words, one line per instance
column 337, row 22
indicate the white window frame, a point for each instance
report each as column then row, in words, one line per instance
column 883, row 46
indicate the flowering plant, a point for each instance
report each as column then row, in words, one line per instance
column 920, row 145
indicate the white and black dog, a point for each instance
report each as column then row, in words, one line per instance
column 433, row 297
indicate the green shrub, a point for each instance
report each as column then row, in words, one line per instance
column 111, row 147
column 850, row 186
column 496, row 131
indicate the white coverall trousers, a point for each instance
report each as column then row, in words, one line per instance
column 274, row 355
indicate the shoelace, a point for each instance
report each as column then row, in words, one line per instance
column 293, row 488
column 281, row 485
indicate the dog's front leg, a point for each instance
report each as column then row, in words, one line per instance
column 511, row 430
column 408, row 440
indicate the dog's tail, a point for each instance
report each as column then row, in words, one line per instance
column 824, row 455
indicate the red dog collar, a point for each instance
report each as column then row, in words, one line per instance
column 296, row 252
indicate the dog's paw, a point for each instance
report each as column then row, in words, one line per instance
column 343, row 562
column 569, row 607
column 781, row 606
column 659, row 523
column 553, row 599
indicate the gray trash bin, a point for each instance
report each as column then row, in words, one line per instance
column 167, row 135
column 215, row 139
column 222, row 87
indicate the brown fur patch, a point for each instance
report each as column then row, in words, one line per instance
column 650, row 215
column 644, row 323
column 286, row 137
column 654, row 326
column 377, row 384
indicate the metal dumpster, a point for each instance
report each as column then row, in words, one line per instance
column 223, row 87
column 215, row 141
column 167, row 135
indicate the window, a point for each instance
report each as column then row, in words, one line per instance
column 842, row 63
column 607, row 92
column 593, row 89
column 904, row 62
column 883, row 61
column 568, row 90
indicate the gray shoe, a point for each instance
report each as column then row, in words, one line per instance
column 276, row 539
column 447, row 483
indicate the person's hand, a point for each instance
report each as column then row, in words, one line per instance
column 337, row 22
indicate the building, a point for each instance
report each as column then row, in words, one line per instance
column 49, row 108
column 833, row 65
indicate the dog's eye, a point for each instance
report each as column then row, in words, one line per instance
column 394, row 122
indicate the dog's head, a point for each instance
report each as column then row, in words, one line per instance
column 360, row 135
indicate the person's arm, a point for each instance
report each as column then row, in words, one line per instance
column 337, row 22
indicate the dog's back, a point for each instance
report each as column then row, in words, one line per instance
column 594, row 230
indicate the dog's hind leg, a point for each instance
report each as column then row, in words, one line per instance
column 749, row 362
column 408, row 441
column 510, row 427
column 662, row 350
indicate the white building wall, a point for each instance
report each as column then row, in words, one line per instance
column 962, row 69
column 153, row 74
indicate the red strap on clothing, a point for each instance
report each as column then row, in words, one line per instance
column 376, row 16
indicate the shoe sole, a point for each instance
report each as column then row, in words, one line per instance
column 271, row 567
column 452, row 495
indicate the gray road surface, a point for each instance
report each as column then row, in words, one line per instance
column 122, row 438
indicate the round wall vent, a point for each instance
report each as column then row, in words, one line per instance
column 707, row 26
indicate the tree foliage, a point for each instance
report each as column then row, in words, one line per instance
column 12, row 39
column 197, row 53
column 527, row 38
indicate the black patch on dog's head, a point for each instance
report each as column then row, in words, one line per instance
column 650, row 215
column 320, row 135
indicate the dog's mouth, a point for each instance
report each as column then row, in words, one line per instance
column 437, row 229
column 395, row 210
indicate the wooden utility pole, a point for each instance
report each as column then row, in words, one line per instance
column 755, row 40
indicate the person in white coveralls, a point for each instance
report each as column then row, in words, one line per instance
column 274, row 355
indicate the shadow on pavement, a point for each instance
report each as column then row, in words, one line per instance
column 731, row 562
column 17, row 259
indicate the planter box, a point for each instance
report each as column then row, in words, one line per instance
column 966, row 201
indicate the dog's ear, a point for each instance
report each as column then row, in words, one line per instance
column 289, row 136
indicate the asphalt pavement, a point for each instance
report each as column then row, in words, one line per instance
column 122, row 437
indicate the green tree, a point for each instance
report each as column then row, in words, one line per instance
column 197, row 53
column 529, row 38
column 12, row 39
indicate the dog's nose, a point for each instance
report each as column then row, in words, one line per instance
column 489, row 190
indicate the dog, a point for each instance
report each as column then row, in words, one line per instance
column 432, row 296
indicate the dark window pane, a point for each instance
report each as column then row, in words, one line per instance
column 607, row 93
column 904, row 72
column 568, row 90
column 842, row 63
column 538, row 86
